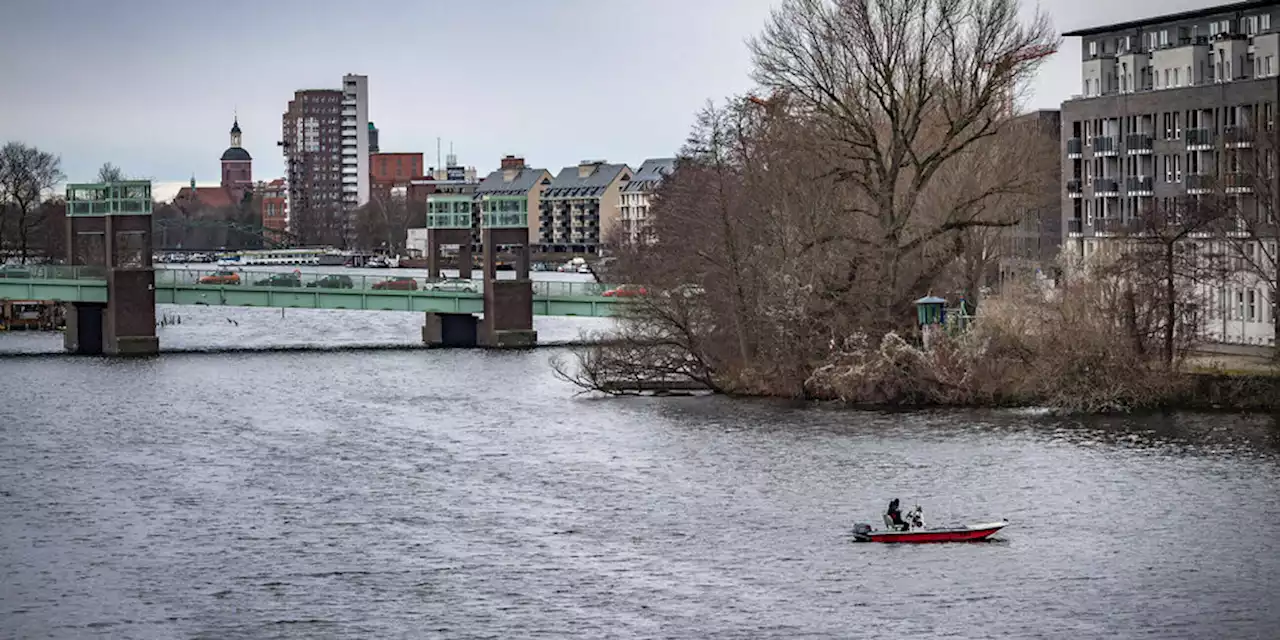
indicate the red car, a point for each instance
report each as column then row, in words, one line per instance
column 397, row 284
column 626, row 291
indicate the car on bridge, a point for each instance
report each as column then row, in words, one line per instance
column 456, row 285
column 280, row 280
column 626, row 291
column 333, row 281
column 220, row 277
column 397, row 284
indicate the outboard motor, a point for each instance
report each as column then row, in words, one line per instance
column 862, row 532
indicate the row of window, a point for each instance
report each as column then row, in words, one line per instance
column 1250, row 25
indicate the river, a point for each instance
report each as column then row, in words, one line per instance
column 470, row 494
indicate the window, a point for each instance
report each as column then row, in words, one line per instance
column 1251, row 25
column 1166, row 78
column 1176, row 82
column 1164, row 38
column 1264, row 22
column 1151, row 40
column 1239, row 305
column 1093, row 48
column 1253, row 308
column 1266, row 65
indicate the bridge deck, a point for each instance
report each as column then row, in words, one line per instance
column 278, row 289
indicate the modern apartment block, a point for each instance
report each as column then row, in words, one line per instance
column 355, row 140
column 633, row 210
column 312, row 145
column 1171, row 107
column 579, row 208
column 509, row 195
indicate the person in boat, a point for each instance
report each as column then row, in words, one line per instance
column 895, row 516
column 915, row 518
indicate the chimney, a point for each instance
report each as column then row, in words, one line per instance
column 512, row 162
column 588, row 167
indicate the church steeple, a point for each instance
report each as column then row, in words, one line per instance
column 235, row 133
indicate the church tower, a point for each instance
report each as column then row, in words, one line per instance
column 237, row 167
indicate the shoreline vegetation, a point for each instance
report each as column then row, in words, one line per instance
column 880, row 162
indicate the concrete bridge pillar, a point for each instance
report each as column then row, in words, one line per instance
column 109, row 226
column 449, row 330
column 508, row 304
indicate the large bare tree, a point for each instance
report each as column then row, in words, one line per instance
column 27, row 176
column 906, row 90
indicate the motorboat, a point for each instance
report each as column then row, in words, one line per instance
column 960, row 533
column 912, row 529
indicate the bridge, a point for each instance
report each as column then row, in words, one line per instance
column 111, row 288
column 277, row 289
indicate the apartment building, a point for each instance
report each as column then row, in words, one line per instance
column 580, row 207
column 312, row 146
column 274, row 198
column 509, row 195
column 1028, row 249
column 637, row 196
column 1171, row 107
column 355, row 141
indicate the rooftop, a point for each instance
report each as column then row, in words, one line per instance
column 524, row 180
column 1174, row 17
column 651, row 172
column 568, row 184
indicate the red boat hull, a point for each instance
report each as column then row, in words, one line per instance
column 937, row 535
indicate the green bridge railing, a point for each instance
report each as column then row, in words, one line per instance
column 276, row 279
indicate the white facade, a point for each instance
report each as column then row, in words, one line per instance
column 1176, row 67
column 417, row 240
column 355, row 140
column 634, row 214
column 1236, row 309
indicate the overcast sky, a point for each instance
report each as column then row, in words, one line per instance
column 152, row 85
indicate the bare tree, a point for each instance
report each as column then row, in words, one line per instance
column 905, row 90
column 110, row 173
column 27, row 177
column 1161, row 267
column 1253, row 239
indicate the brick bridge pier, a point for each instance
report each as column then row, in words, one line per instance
column 508, row 304
column 109, row 226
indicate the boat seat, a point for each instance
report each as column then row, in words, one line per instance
column 888, row 523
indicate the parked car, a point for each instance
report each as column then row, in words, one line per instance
column 221, row 277
column 333, row 281
column 280, row 280
column 626, row 291
column 397, row 284
column 457, row 285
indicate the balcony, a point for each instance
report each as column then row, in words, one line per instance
column 1238, row 182
column 1105, row 146
column 1108, row 226
column 1106, row 187
column 1075, row 188
column 1137, row 144
column 1139, row 186
column 1075, row 147
column 1237, row 137
column 1075, row 225
column 1199, row 139
column 1199, row 183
